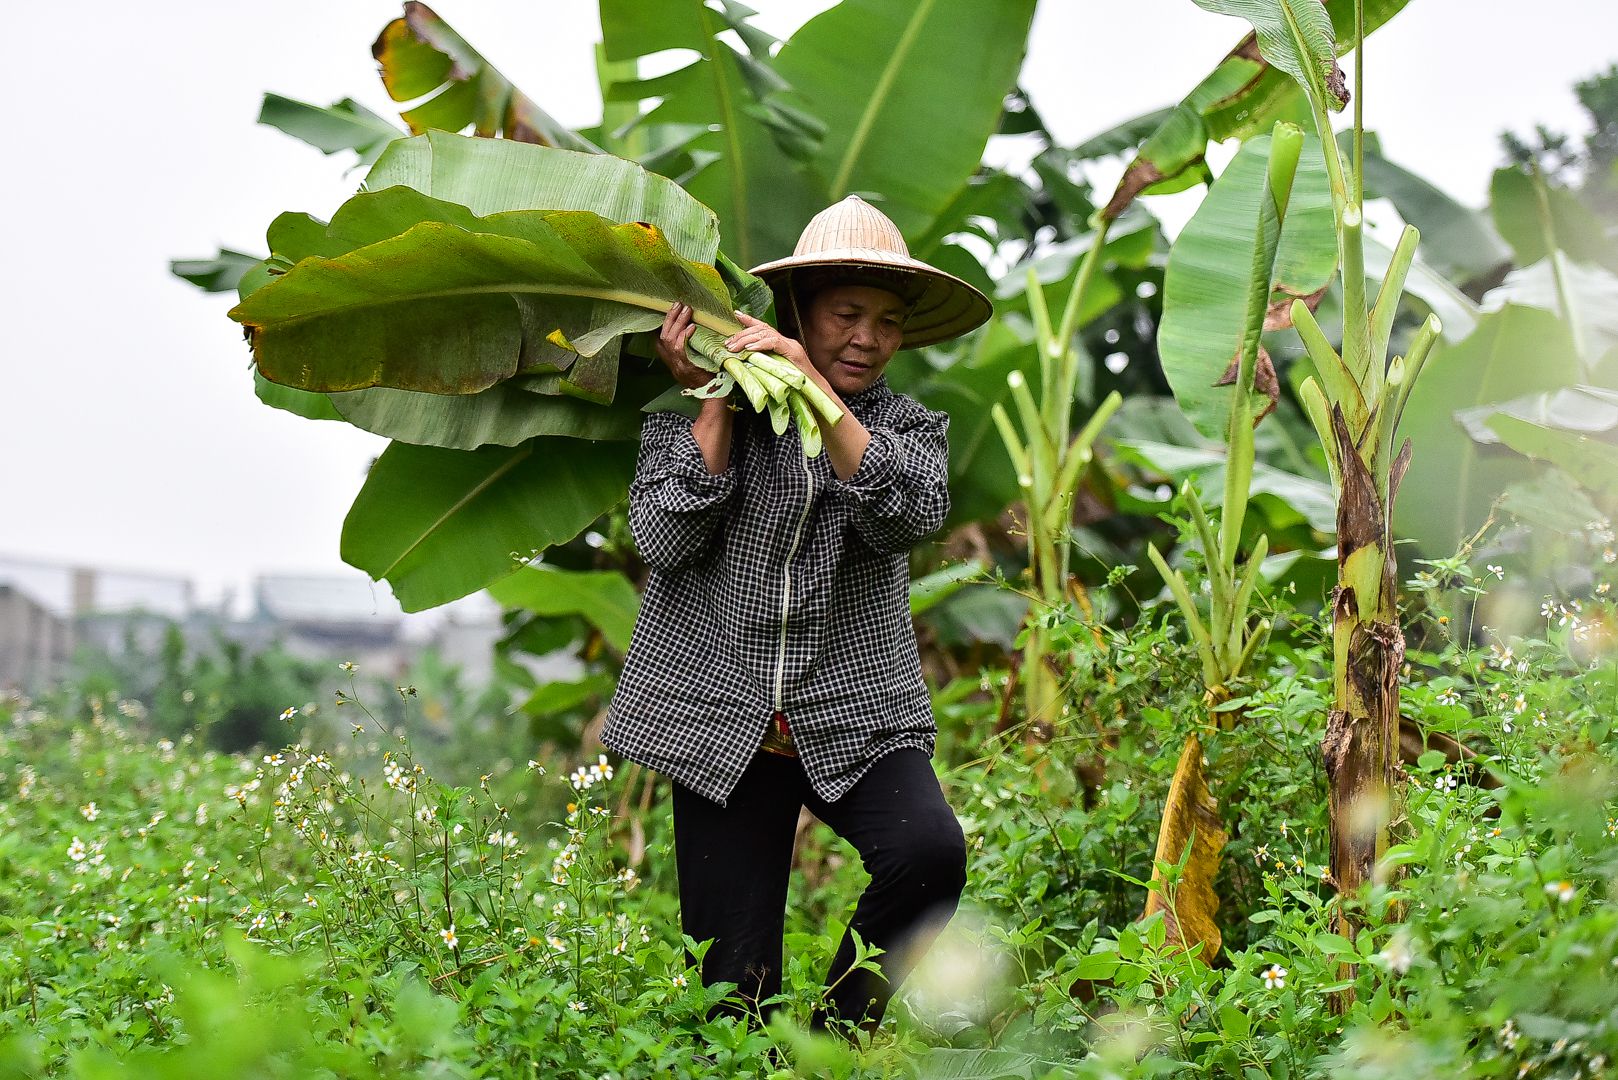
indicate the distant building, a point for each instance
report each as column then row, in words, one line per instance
column 34, row 641
column 48, row 610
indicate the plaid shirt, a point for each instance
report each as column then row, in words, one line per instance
column 776, row 587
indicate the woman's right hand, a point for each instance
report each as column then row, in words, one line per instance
column 678, row 326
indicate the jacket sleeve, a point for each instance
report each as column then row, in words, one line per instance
column 674, row 501
column 900, row 492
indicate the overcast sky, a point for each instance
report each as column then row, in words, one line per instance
column 130, row 438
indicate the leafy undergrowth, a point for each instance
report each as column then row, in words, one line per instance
column 332, row 909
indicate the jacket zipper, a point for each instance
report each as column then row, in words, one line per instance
column 786, row 584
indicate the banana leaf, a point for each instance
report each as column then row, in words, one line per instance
column 1190, row 830
column 1457, row 241
column 729, row 98
column 413, row 292
column 909, row 94
column 490, row 175
column 604, row 597
column 1452, row 481
column 1515, row 207
column 1591, row 462
column 419, row 54
column 344, row 125
column 216, row 273
column 1207, row 285
column 1295, row 36
column 441, row 524
column 1243, row 96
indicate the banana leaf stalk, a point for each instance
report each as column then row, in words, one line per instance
column 1050, row 463
column 770, row 383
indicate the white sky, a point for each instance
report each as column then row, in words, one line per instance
column 130, row 438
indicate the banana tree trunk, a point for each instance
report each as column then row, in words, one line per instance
column 1361, row 745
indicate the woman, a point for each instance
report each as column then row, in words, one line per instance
column 773, row 665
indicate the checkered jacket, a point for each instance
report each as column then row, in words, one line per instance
column 776, row 586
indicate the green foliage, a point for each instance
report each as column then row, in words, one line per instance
column 177, row 936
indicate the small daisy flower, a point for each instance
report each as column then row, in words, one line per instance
column 576, row 1006
column 289, row 712
column 1499, row 572
column 259, row 922
column 679, row 981
column 90, row 811
column 1560, row 891
column 1448, row 696
column 448, row 936
column 348, row 666
column 1275, row 977
column 76, row 850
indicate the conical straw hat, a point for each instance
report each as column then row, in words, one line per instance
column 855, row 236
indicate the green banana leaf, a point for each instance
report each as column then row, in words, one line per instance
column 750, row 142
column 441, row 524
column 1590, row 294
column 1208, row 283
column 909, row 93
column 442, row 309
column 1452, row 481
column 419, row 54
column 1457, row 241
column 345, row 125
column 491, row 175
column 216, row 273
column 604, row 597
column 502, row 415
column 1591, row 462
column 1574, row 229
column 1284, row 499
column 1295, row 36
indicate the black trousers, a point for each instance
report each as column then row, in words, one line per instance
column 734, row 862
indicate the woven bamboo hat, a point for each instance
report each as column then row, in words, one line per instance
column 854, row 243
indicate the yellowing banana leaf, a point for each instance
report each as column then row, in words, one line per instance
column 445, row 310
column 1190, row 818
column 441, row 524
column 421, row 54
column 1208, row 284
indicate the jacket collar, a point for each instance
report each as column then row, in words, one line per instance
column 862, row 401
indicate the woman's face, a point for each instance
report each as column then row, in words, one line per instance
column 851, row 332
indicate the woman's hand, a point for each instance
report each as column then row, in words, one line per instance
column 678, row 326
column 759, row 336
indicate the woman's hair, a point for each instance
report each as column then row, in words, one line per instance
column 798, row 289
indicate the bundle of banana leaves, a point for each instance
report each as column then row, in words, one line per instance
column 480, row 291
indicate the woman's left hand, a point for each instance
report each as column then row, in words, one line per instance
column 759, row 336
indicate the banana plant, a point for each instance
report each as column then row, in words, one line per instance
column 1191, row 834
column 1222, row 326
column 1050, row 460
column 1354, row 399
